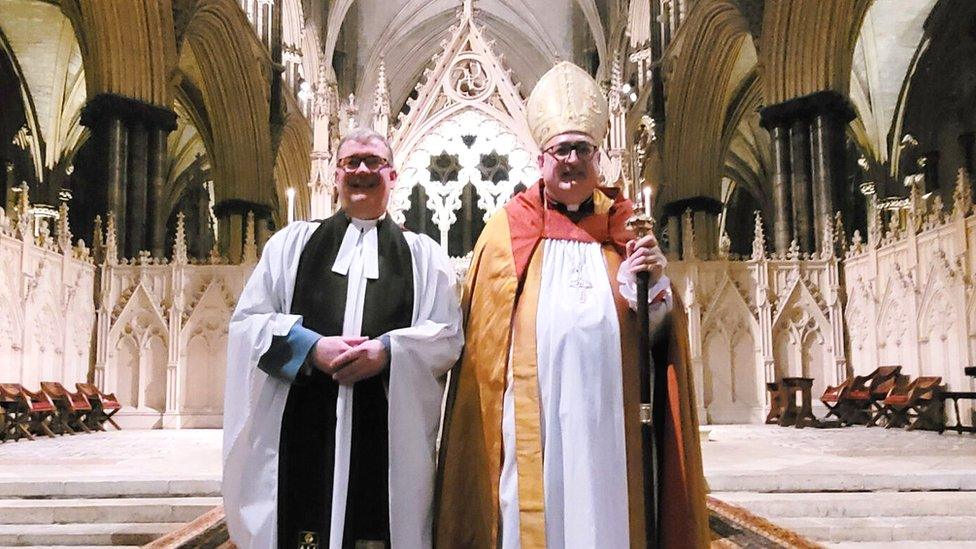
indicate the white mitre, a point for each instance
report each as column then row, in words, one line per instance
column 567, row 99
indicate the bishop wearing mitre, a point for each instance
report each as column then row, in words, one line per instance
column 541, row 444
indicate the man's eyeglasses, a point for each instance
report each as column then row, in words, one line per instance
column 373, row 163
column 584, row 150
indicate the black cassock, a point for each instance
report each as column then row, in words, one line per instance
column 307, row 448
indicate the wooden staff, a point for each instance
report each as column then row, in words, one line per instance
column 653, row 387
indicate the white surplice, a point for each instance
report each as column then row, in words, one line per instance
column 581, row 400
column 254, row 402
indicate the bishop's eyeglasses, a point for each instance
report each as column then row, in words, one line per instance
column 373, row 163
column 562, row 151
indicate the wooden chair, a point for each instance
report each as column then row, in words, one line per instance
column 104, row 406
column 865, row 390
column 73, row 408
column 834, row 399
column 915, row 404
column 880, row 393
column 34, row 411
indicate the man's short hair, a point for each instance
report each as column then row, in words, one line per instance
column 365, row 136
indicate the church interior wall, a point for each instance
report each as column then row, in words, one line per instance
column 893, row 288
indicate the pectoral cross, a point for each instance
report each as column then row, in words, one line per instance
column 580, row 283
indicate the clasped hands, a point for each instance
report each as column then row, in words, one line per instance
column 349, row 359
column 644, row 255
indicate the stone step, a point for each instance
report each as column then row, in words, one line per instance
column 854, row 504
column 83, row 534
column 108, row 487
column 901, row 544
column 883, row 529
column 767, row 481
column 122, row 510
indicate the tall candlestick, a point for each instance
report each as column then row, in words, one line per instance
column 291, row 204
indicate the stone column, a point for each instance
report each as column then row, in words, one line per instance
column 808, row 153
column 116, row 139
column 123, row 129
column 800, row 182
column 704, row 214
column 136, row 199
column 231, row 218
column 782, row 200
column 157, row 214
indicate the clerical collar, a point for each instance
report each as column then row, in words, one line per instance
column 360, row 238
column 366, row 224
column 576, row 212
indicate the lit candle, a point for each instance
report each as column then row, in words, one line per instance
column 647, row 200
column 291, row 204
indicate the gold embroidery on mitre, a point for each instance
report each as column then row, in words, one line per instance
column 567, row 99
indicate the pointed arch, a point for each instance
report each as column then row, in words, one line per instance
column 808, row 46
column 714, row 55
column 232, row 71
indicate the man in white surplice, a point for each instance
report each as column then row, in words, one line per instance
column 336, row 360
column 541, row 446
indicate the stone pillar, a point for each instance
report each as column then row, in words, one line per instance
column 808, row 154
column 116, row 174
column 157, row 214
column 231, row 217
column 136, row 199
column 782, row 201
column 704, row 215
column 125, row 130
column 800, row 183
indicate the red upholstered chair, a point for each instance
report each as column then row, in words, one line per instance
column 73, row 408
column 915, row 404
column 34, row 411
column 104, row 406
column 865, row 390
column 834, row 399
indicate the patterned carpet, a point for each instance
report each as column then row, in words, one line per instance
column 732, row 527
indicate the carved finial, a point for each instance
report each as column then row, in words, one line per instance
column 794, row 252
column 381, row 103
column 25, row 229
column 215, row 258
column 467, row 9
column 43, row 233
column 894, row 226
column 856, row 243
column 840, row 236
column 250, row 245
column 616, row 85
column 962, row 199
column 687, row 236
column 828, row 251
column 351, row 111
column 876, row 226
column 81, row 252
column 758, row 239
column 938, row 209
column 64, row 231
column 724, row 245
column 179, row 241
column 111, row 242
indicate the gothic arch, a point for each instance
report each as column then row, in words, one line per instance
column 713, row 57
column 231, row 69
column 293, row 166
column 413, row 49
column 135, row 62
column 44, row 51
column 807, row 47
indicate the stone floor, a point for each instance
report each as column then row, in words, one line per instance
column 854, row 487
